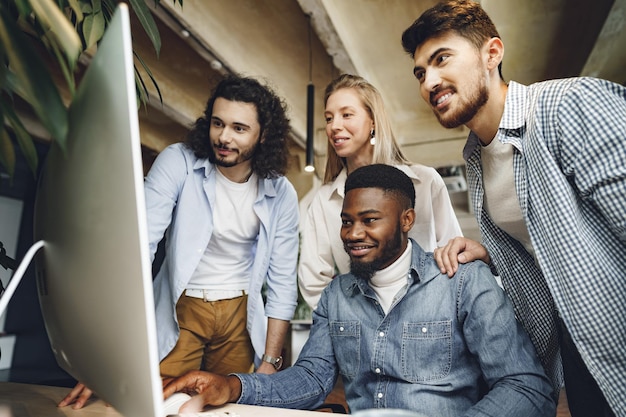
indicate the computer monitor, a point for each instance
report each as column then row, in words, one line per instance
column 93, row 273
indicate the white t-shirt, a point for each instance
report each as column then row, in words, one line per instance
column 227, row 260
column 500, row 199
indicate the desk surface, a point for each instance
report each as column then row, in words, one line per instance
column 27, row 400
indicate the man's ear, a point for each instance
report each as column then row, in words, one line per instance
column 407, row 219
column 495, row 52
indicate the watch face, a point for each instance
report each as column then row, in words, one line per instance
column 279, row 363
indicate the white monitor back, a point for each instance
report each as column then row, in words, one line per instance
column 93, row 274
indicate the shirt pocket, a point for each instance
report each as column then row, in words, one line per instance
column 346, row 340
column 426, row 350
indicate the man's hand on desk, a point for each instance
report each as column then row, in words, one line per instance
column 205, row 388
column 78, row 397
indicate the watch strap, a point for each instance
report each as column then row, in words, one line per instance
column 277, row 362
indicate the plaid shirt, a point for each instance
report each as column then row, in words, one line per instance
column 569, row 139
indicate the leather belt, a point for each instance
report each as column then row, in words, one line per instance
column 215, row 295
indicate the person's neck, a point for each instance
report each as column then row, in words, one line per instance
column 485, row 123
column 358, row 161
column 239, row 173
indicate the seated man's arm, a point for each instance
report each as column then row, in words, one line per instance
column 304, row 385
column 518, row 386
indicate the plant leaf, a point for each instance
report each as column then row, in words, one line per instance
column 49, row 14
column 96, row 5
column 147, row 69
column 93, row 28
column 109, row 8
column 7, row 153
column 23, row 137
column 86, row 8
column 34, row 83
column 75, row 6
column 141, row 90
column 147, row 21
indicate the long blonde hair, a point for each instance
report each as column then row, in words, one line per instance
column 386, row 149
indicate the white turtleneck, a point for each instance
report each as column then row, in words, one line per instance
column 388, row 282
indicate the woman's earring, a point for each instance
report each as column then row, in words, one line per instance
column 372, row 138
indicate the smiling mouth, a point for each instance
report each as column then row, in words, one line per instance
column 358, row 250
column 442, row 99
column 223, row 150
column 439, row 99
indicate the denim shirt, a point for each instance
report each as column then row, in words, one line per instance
column 440, row 348
column 180, row 196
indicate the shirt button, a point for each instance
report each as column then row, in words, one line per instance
column 380, row 395
column 377, row 370
column 341, row 329
column 381, row 334
column 424, row 330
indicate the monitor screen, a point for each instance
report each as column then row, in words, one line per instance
column 93, row 273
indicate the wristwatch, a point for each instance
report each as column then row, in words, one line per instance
column 276, row 362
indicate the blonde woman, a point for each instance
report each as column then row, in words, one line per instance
column 359, row 134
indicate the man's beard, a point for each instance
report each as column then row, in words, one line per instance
column 244, row 155
column 363, row 270
column 366, row 270
column 467, row 111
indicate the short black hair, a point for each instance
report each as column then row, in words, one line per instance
column 386, row 177
column 271, row 157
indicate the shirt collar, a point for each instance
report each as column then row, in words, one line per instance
column 423, row 266
column 266, row 185
column 514, row 107
column 338, row 185
column 203, row 163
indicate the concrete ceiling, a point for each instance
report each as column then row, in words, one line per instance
column 270, row 39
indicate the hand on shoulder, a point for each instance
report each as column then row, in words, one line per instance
column 459, row 250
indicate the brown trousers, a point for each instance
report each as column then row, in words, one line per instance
column 213, row 337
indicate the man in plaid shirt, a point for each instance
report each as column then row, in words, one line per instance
column 546, row 167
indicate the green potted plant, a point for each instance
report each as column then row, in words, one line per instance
column 35, row 33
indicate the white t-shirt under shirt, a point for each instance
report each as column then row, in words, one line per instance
column 227, row 260
column 500, row 199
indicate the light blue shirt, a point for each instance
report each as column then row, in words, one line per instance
column 569, row 165
column 180, row 194
column 442, row 342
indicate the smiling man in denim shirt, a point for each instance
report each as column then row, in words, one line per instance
column 400, row 333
